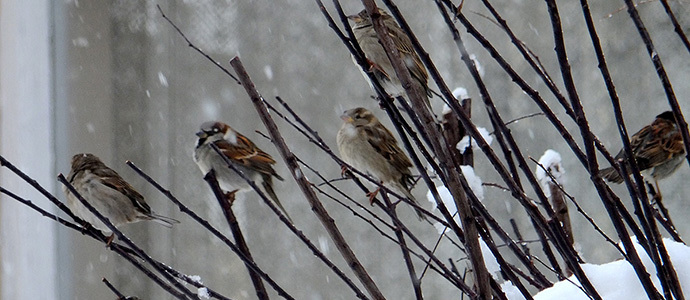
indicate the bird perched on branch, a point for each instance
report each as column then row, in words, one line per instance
column 368, row 146
column 242, row 153
column 108, row 193
column 379, row 63
column 658, row 149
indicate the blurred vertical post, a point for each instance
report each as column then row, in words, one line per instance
column 26, row 135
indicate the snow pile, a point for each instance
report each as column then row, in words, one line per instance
column 617, row 280
column 489, row 259
column 203, row 293
column 475, row 184
column 474, row 181
column 511, row 291
column 477, row 65
column 466, row 141
column 448, row 202
column 551, row 160
column 459, row 93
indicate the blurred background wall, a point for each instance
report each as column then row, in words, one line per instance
column 114, row 79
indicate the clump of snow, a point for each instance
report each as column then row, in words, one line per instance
column 446, row 198
column 448, row 202
column 203, row 293
column 440, row 228
column 298, row 173
column 489, row 259
column 446, row 109
column 195, row 278
column 475, row 184
column 617, row 280
column 551, row 160
column 474, row 181
column 460, row 93
column 477, row 65
column 465, row 142
column 511, row 291
column 323, row 245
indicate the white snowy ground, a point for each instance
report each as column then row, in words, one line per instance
column 615, row 280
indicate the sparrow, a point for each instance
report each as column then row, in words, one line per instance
column 376, row 56
column 108, row 193
column 368, row 146
column 242, row 153
column 658, row 149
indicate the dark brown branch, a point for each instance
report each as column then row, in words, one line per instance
column 225, row 202
column 211, row 229
column 186, row 292
column 440, row 149
column 316, row 140
column 123, row 251
column 117, row 293
column 416, row 282
column 317, row 207
column 234, row 248
column 538, row 220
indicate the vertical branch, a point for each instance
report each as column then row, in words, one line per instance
column 561, row 209
column 453, row 132
column 416, row 282
column 632, row 255
column 225, row 201
column 415, row 95
column 320, row 211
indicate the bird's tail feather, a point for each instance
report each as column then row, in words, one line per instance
column 163, row 220
column 268, row 187
column 611, row 175
column 401, row 187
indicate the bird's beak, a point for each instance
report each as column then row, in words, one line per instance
column 346, row 118
column 354, row 18
column 202, row 134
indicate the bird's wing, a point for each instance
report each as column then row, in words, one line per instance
column 244, row 152
column 409, row 56
column 382, row 140
column 112, row 180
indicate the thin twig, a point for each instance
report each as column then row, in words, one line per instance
column 117, row 293
column 197, row 49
